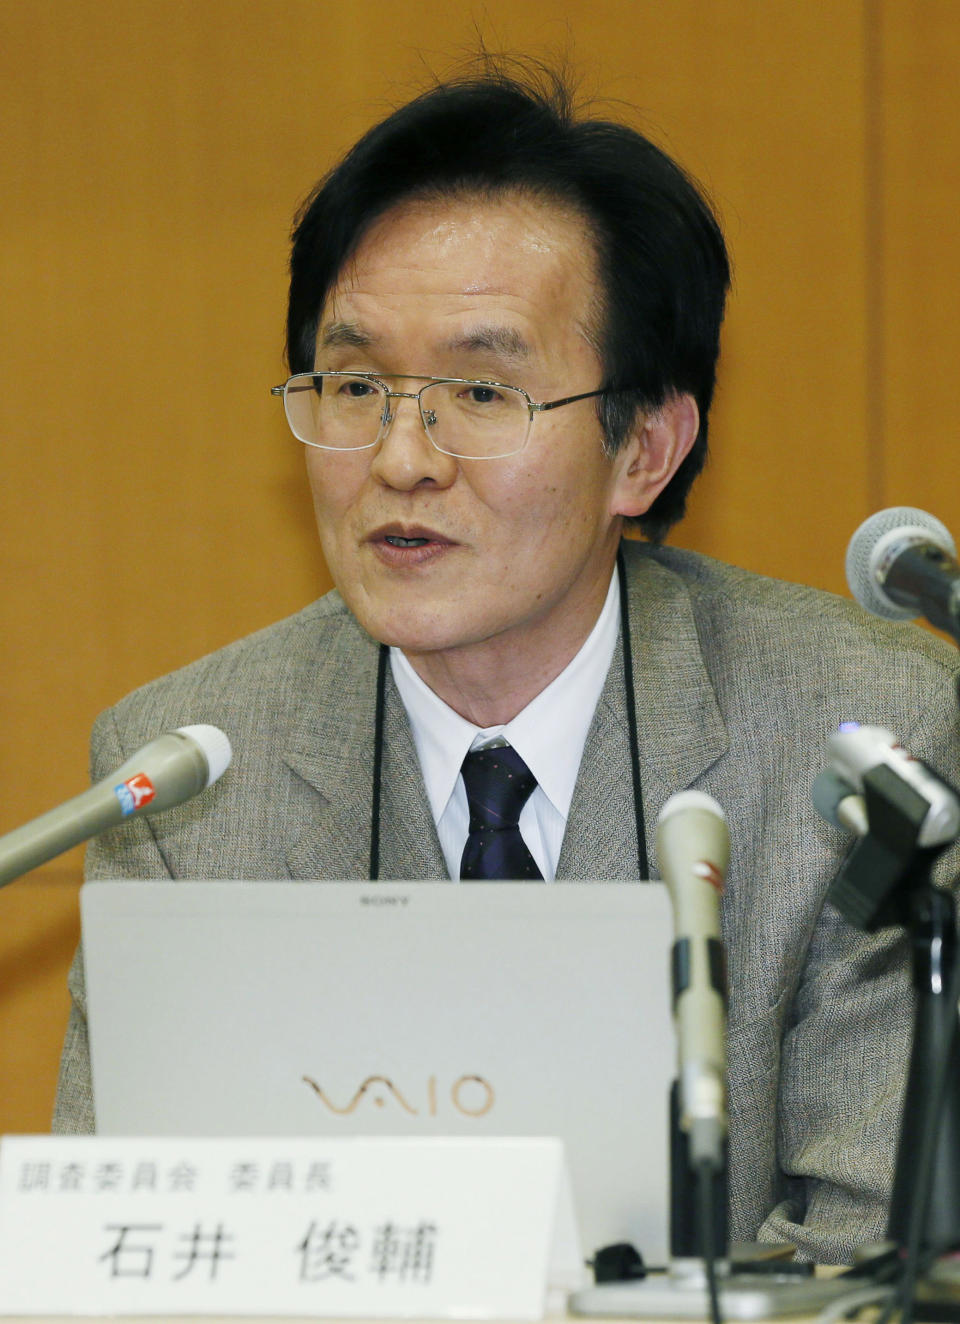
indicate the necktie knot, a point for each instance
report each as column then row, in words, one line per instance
column 498, row 785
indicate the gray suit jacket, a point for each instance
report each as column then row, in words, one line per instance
column 739, row 681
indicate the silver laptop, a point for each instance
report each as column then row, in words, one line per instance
column 395, row 1009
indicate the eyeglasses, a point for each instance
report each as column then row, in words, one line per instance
column 471, row 420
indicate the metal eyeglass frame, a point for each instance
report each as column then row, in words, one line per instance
column 533, row 407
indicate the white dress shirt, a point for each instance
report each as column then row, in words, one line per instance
column 549, row 735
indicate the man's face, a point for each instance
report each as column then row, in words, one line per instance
column 518, row 550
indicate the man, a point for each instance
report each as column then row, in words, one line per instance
column 503, row 330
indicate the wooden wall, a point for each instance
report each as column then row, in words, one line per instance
column 151, row 155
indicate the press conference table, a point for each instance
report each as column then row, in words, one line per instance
column 805, row 1318
column 285, row 1319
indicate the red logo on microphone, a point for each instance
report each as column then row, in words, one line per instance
column 134, row 793
column 710, row 874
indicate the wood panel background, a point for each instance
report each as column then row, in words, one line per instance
column 151, row 155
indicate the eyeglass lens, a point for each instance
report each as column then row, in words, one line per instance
column 468, row 419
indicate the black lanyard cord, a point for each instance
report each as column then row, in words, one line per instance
column 643, row 864
column 377, row 763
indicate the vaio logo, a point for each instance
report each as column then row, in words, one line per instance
column 471, row 1096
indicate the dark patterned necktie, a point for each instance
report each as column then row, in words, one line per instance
column 498, row 784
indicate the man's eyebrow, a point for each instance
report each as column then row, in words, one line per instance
column 502, row 340
column 348, row 334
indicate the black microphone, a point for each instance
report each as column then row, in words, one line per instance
column 901, row 563
column 171, row 769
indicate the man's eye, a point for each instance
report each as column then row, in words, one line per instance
column 357, row 389
column 481, row 395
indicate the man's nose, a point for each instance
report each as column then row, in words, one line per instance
column 405, row 456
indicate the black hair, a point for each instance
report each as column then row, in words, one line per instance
column 661, row 256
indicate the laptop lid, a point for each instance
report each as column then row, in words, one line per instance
column 274, row 1008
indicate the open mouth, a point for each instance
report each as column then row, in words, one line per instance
column 408, row 545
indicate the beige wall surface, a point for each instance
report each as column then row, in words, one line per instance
column 151, row 155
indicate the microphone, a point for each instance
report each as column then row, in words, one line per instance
column 836, row 801
column 856, row 751
column 901, row 563
column 166, row 772
column 693, row 846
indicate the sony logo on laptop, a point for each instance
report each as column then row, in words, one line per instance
column 471, row 1096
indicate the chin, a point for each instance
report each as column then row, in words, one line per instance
column 404, row 629
column 411, row 640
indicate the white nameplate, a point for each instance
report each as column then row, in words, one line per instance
column 383, row 1228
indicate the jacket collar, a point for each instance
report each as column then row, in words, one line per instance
column 330, row 745
column 330, row 742
column 680, row 730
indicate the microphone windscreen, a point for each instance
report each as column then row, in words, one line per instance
column 214, row 745
column 862, row 554
column 687, row 800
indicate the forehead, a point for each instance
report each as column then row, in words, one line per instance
column 519, row 269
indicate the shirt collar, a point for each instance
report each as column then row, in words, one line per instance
column 549, row 734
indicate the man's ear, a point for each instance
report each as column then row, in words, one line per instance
column 656, row 447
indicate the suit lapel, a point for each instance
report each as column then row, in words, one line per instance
column 680, row 730
column 330, row 747
column 409, row 845
column 330, row 744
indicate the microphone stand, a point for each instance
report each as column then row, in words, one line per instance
column 687, row 1235
column 886, row 880
column 746, row 1289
